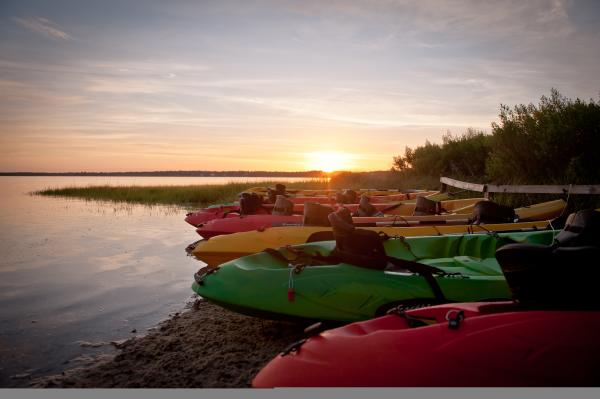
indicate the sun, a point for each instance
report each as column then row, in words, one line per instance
column 328, row 161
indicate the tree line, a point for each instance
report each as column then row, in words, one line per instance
column 554, row 142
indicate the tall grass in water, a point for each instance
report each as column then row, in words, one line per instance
column 189, row 196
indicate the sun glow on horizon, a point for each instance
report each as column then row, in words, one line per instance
column 328, row 161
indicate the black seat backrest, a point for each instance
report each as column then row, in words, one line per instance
column 564, row 275
column 425, row 206
column 316, row 214
column 356, row 246
column 273, row 193
column 581, row 229
column 321, row 236
column 283, row 206
column 491, row 212
column 250, row 203
column 346, row 197
column 365, row 208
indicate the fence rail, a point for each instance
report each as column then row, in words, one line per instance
column 488, row 189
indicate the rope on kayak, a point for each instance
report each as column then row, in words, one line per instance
column 302, row 258
column 553, row 229
column 493, row 233
column 402, row 239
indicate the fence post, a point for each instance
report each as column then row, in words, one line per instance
column 486, row 194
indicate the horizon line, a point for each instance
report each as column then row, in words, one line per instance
column 202, row 173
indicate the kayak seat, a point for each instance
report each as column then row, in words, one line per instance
column 283, row 206
column 365, row 209
column 425, row 206
column 346, row 197
column 273, row 193
column 491, row 212
column 315, row 214
column 581, row 229
column 250, row 203
column 562, row 275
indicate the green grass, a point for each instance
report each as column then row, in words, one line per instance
column 188, row 196
column 193, row 196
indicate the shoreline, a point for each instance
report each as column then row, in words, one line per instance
column 205, row 346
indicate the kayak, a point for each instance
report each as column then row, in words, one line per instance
column 405, row 207
column 547, row 338
column 374, row 199
column 308, row 192
column 451, row 345
column 236, row 223
column 223, row 248
column 241, row 223
column 304, row 282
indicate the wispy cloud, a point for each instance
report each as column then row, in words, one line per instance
column 20, row 93
column 44, row 27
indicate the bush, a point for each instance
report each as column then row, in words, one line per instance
column 555, row 142
column 462, row 157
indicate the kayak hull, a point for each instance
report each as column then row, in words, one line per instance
column 344, row 292
column 224, row 248
column 236, row 223
column 495, row 345
column 405, row 207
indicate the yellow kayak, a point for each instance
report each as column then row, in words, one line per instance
column 223, row 248
column 307, row 192
column 541, row 211
column 457, row 207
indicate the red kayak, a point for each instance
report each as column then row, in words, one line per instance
column 239, row 223
column 452, row 345
column 234, row 223
column 216, row 212
column 205, row 215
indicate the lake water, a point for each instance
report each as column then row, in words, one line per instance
column 75, row 273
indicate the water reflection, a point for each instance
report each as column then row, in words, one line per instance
column 74, row 271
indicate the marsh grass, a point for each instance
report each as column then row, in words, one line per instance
column 187, row 196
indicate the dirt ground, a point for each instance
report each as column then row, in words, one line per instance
column 203, row 347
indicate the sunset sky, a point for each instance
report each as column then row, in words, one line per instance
column 273, row 85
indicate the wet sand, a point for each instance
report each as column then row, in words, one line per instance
column 203, row 347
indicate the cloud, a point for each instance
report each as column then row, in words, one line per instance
column 19, row 93
column 44, row 27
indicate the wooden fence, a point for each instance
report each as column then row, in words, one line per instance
column 488, row 189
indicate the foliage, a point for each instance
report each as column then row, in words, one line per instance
column 554, row 142
column 462, row 156
column 382, row 180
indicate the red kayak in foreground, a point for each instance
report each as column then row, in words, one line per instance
column 454, row 345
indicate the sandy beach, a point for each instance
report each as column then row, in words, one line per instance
column 205, row 346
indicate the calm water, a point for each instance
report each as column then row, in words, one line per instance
column 74, row 272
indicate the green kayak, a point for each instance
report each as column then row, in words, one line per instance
column 298, row 282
